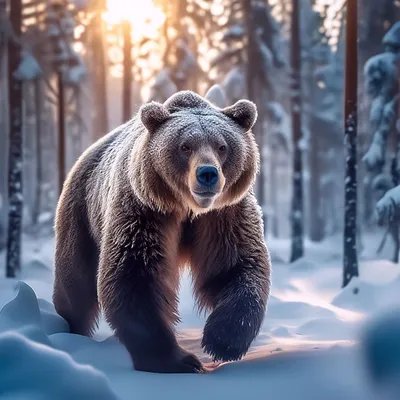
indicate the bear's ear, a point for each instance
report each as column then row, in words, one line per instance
column 152, row 115
column 243, row 112
column 185, row 99
column 216, row 95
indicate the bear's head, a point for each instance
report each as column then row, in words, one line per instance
column 195, row 156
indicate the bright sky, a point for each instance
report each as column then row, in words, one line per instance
column 145, row 18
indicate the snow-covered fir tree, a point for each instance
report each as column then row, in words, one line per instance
column 381, row 74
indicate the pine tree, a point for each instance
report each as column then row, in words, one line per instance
column 15, row 198
column 350, row 262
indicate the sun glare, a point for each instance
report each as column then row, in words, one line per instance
column 145, row 18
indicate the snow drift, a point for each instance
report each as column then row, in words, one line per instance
column 42, row 360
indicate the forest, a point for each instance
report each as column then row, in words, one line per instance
column 324, row 75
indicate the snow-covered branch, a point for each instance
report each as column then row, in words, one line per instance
column 388, row 206
column 375, row 156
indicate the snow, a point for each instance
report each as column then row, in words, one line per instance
column 380, row 66
column 389, row 204
column 162, row 87
column 28, row 68
column 375, row 155
column 216, row 96
column 308, row 347
column 276, row 111
column 75, row 74
column 234, row 84
column 29, row 344
column 234, row 32
column 392, row 36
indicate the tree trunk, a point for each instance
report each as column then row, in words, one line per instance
column 127, row 73
column 99, row 75
column 274, row 165
column 316, row 220
column 78, row 130
column 259, row 133
column 15, row 198
column 3, row 131
column 39, row 127
column 255, row 94
column 61, row 132
column 350, row 262
column 181, row 80
column 297, row 217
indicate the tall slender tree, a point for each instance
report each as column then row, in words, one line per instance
column 61, row 131
column 127, row 72
column 3, row 126
column 350, row 262
column 15, row 198
column 297, row 217
column 98, row 61
column 38, row 134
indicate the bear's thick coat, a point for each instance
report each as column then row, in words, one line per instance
column 135, row 208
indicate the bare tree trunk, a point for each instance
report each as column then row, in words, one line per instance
column 15, row 156
column 78, row 130
column 297, row 217
column 255, row 94
column 181, row 80
column 127, row 73
column 61, row 132
column 316, row 220
column 274, row 165
column 260, row 134
column 99, row 75
column 39, row 127
column 394, row 222
column 350, row 261
column 3, row 131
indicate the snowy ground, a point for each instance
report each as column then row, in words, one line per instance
column 307, row 349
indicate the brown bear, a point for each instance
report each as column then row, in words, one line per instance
column 168, row 189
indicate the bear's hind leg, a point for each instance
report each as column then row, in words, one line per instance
column 75, row 285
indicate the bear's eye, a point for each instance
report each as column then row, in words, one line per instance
column 222, row 148
column 185, row 148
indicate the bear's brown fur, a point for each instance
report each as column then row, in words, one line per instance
column 137, row 206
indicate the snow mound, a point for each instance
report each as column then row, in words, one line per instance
column 366, row 297
column 296, row 310
column 24, row 342
column 327, row 329
column 55, row 375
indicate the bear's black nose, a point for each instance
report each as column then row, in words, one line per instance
column 207, row 175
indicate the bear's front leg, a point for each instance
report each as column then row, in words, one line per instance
column 138, row 288
column 231, row 269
